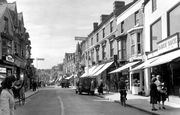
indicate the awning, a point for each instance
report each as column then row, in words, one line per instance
column 124, row 67
column 165, row 58
column 103, row 68
column 96, row 69
column 89, row 72
column 141, row 66
column 69, row 77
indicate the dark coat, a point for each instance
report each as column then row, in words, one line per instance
column 153, row 93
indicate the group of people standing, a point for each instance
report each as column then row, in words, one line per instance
column 158, row 92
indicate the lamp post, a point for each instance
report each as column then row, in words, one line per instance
column 38, row 59
column 85, row 39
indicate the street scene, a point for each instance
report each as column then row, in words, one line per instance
column 93, row 57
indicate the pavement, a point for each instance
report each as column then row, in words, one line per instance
column 135, row 101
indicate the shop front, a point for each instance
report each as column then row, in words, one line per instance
column 167, row 63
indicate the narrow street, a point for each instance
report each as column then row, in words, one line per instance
column 64, row 101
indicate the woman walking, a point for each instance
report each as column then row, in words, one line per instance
column 7, row 103
column 153, row 94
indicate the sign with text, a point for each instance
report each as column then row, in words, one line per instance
column 168, row 44
column 2, row 70
column 9, row 58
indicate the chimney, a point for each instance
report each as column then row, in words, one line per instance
column 118, row 4
column 103, row 17
column 95, row 25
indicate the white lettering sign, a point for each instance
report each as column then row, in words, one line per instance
column 168, row 44
column 9, row 58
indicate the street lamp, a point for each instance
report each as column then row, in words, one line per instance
column 85, row 39
column 38, row 59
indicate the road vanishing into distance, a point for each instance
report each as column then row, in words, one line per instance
column 64, row 101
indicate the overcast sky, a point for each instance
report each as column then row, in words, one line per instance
column 53, row 24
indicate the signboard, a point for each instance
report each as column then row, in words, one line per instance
column 10, row 58
column 39, row 58
column 168, row 44
column 81, row 38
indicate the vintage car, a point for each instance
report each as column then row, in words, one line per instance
column 85, row 85
column 65, row 83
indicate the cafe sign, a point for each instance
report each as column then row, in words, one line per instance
column 168, row 44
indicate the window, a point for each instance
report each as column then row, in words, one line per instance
column 92, row 55
column 6, row 25
column 97, row 55
column 91, row 41
column 122, row 27
column 133, row 44
column 103, row 52
column 173, row 20
column 122, row 49
column 111, row 26
column 138, row 43
column 6, row 47
column 154, row 5
column 97, row 37
column 103, row 32
column 156, row 34
column 136, row 17
column 111, row 48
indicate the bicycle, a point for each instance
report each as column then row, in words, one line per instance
column 123, row 97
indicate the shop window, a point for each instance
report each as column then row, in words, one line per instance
column 173, row 20
column 156, row 34
column 136, row 79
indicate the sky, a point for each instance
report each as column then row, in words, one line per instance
column 53, row 25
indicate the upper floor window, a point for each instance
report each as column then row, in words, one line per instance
column 92, row 56
column 97, row 55
column 103, row 51
column 111, row 26
column 6, row 25
column 111, row 48
column 173, row 20
column 103, row 32
column 91, row 41
column 97, row 37
column 136, row 17
column 154, row 5
column 6, row 47
column 138, row 43
column 132, row 44
column 122, row 49
column 156, row 34
column 122, row 26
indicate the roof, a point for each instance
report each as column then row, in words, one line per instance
column 2, row 10
column 117, row 13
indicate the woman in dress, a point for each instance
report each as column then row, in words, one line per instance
column 7, row 103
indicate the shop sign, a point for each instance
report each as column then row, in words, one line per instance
column 168, row 44
column 2, row 70
column 10, row 58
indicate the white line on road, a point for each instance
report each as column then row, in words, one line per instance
column 62, row 106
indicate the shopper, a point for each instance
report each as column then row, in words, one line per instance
column 122, row 88
column 100, row 88
column 7, row 103
column 162, row 91
column 153, row 94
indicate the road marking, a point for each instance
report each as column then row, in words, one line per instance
column 62, row 106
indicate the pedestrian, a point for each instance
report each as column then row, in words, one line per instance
column 7, row 103
column 122, row 88
column 106, row 87
column 162, row 91
column 34, row 86
column 100, row 88
column 92, row 87
column 153, row 94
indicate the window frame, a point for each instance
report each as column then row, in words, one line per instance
column 154, row 5
column 122, row 26
column 136, row 16
column 111, row 48
column 111, row 26
column 103, row 32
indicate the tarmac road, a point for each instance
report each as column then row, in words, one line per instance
column 64, row 101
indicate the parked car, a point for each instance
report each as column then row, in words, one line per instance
column 84, row 85
column 65, row 83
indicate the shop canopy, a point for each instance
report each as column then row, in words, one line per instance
column 96, row 69
column 103, row 68
column 124, row 67
column 141, row 66
column 88, row 72
column 165, row 58
column 69, row 77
